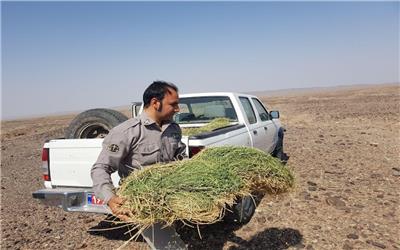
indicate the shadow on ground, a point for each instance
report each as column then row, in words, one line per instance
column 112, row 228
column 271, row 238
column 215, row 236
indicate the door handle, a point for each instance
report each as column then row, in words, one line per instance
column 255, row 132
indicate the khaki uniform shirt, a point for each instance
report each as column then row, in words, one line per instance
column 131, row 145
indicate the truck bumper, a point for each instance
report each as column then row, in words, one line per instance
column 71, row 200
column 157, row 236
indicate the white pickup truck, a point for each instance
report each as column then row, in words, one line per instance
column 67, row 162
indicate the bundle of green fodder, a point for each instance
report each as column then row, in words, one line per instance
column 197, row 190
column 212, row 125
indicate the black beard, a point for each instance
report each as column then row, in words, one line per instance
column 160, row 108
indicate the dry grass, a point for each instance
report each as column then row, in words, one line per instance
column 212, row 125
column 197, row 191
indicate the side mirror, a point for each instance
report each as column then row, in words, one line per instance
column 274, row 114
column 135, row 108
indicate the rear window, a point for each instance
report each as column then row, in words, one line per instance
column 204, row 109
column 248, row 109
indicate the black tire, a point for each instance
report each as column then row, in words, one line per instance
column 94, row 123
column 278, row 151
column 241, row 212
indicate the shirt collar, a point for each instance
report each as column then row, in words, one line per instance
column 147, row 121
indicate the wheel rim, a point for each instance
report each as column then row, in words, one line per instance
column 93, row 131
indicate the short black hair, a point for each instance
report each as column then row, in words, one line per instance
column 157, row 90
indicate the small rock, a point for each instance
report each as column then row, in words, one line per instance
column 375, row 176
column 389, row 215
column 379, row 196
column 309, row 247
column 374, row 144
column 363, row 133
column 3, row 187
column 352, row 236
column 88, row 220
column 312, row 188
column 311, row 183
column 317, row 227
column 306, row 195
column 270, row 218
column 261, row 220
column 396, row 171
column 336, row 202
column 347, row 247
column 47, row 230
column 377, row 244
column 299, row 246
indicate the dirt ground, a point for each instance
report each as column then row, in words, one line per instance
column 344, row 149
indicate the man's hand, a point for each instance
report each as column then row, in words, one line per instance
column 115, row 204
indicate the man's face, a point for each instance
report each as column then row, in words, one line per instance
column 169, row 105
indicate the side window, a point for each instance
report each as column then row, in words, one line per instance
column 261, row 110
column 184, row 108
column 251, row 116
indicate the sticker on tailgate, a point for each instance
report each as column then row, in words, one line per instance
column 91, row 198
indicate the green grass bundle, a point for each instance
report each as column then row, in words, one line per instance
column 197, row 190
column 212, row 125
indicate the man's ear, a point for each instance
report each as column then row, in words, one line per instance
column 155, row 103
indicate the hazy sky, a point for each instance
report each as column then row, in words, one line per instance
column 67, row 56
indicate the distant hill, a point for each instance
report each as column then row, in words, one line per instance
column 296, row 91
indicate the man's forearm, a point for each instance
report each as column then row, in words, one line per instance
column 102, row 184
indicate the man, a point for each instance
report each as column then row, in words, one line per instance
column 147, row 139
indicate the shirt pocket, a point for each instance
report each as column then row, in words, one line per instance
column 148, row 154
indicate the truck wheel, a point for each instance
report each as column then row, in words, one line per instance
column 278, row 151
column 94, row 123
column 242, row 211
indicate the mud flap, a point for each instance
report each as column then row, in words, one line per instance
column 160, row 237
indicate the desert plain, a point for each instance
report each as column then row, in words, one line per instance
column 343, row 146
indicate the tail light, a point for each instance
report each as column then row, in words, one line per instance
column 194, row 150
column 45, row 164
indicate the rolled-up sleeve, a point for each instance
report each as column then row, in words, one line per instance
column 116, row 146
